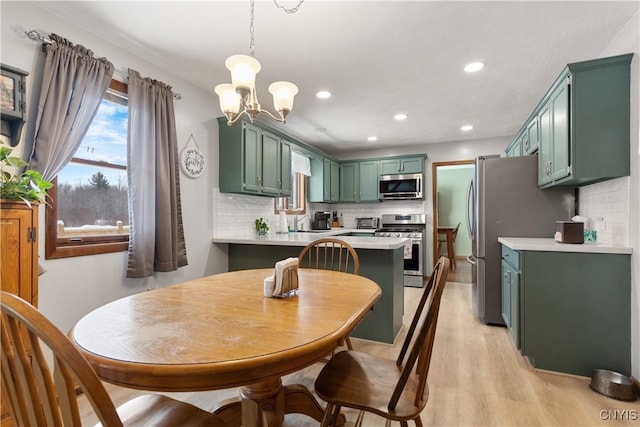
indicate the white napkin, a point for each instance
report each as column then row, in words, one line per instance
column 281, row 266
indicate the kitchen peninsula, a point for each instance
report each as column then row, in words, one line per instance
column 381, row 260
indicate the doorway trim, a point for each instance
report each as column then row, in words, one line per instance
column 434, row 193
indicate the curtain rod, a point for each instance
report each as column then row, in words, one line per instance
column 37, row 37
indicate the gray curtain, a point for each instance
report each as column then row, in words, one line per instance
column 73, row 84
column 156, row 241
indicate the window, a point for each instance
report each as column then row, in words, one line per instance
column 297, row 203
column 88, row 207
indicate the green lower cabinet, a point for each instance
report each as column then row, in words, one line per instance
column 574, row 311
column 511, row 300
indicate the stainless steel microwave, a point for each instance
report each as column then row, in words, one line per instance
column 400, row 187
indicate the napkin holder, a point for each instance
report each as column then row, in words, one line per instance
column 289, row 282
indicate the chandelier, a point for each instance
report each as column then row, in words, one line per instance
column 239, row 97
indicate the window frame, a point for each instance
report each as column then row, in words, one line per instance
column 67, row 247
column 300, row 181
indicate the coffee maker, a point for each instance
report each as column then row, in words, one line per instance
column 321, row 221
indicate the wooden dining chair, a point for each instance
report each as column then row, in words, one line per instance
column 44, row 397
column 396, row 390
column 330, row 254
column 452, row 254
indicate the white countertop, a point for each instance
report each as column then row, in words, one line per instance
column 550, row 245
column 304, row 238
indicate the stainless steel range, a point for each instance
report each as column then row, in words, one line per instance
column 411, row 226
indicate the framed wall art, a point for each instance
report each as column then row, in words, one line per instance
column 13, row 102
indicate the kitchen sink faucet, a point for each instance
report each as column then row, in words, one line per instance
column 297, row 220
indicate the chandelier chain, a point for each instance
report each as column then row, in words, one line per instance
column 292, row 10
column 252, row 42
column 251, row 32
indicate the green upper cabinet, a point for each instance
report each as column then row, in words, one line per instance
column 583, row 124
column 544, row 148
column 253, row 161
column 526, row 142
column 276, row 152
column 335, row 181
column 515, row 148
column 368, row 181
column 270, row 159
column 553, row 163
column 359, row 181
column 324, row 183
column 402, row 165
column 285, row 167
column 349, row 177
column 531, row 138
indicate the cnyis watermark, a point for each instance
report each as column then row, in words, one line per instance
column 619, row 414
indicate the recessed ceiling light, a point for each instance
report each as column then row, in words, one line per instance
column 466, row 128
column 400, row 116
column 372, row 138
column 323, row 94
column 473, row 67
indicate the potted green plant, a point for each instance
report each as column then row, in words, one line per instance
column 27, row 185
column 261, row 227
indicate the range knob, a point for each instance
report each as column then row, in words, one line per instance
column 397, row 234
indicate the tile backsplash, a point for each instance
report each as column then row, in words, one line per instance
column 237, row 213
column 608, row 200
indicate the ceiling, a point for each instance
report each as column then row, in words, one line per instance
column 377, row 58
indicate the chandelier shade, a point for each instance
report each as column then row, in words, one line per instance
column 243, row 71
column 229, row 98
column 283, row 93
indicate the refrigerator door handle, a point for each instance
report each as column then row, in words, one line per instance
column 469, row 213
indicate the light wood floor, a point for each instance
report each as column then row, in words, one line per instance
column 462, row 272
column 477, row 378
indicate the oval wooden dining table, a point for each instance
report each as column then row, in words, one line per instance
column 220, row 332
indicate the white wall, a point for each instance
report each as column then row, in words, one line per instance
column 452, row 187
column 72, row 287
column 618, row 200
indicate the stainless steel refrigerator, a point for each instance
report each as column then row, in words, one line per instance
column 504, row 201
